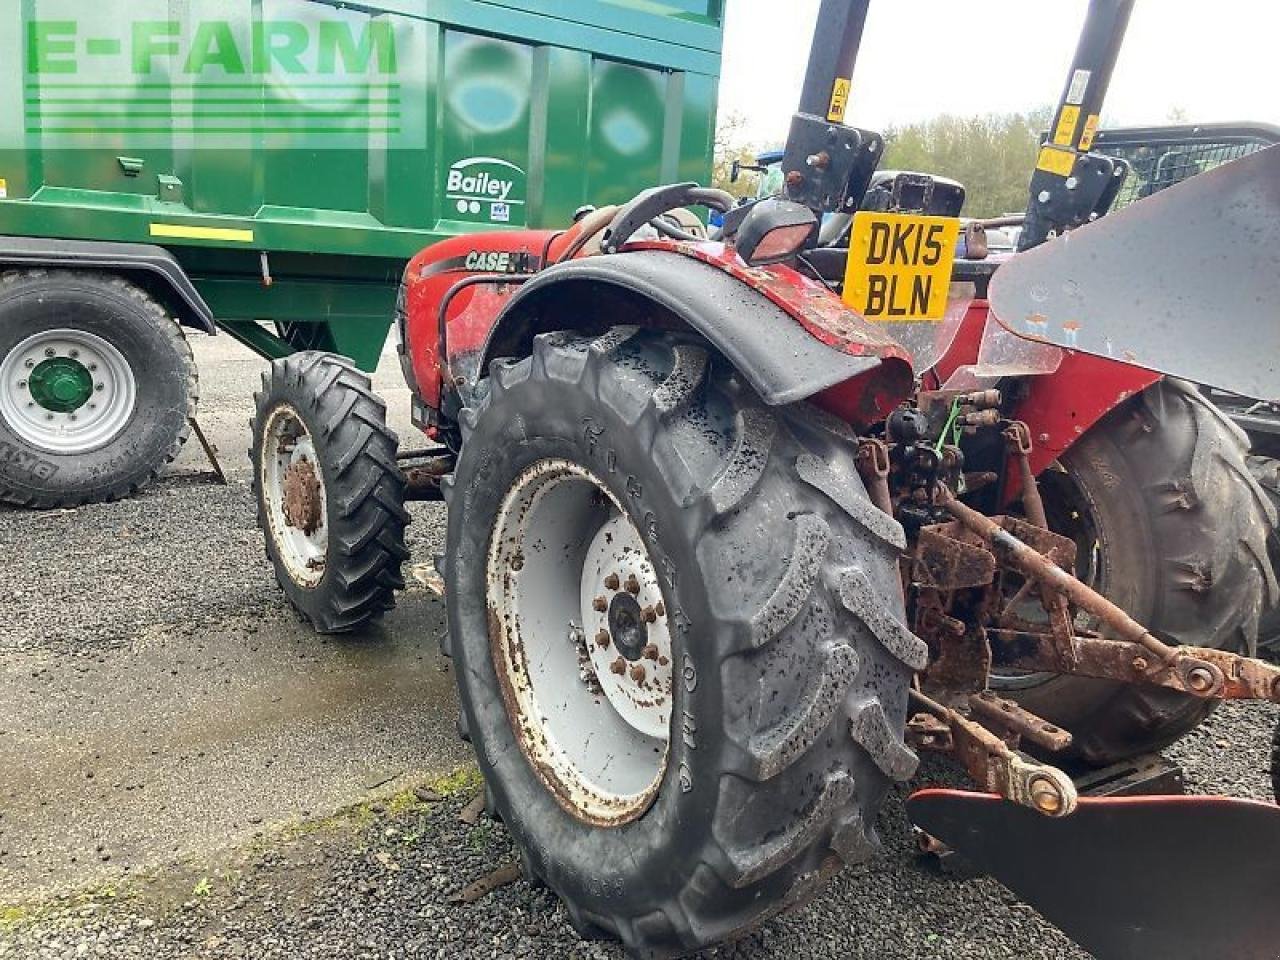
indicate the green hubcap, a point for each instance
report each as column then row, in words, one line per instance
column 61, row 384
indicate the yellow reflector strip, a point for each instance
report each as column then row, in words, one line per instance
column 1053, row 160
column 175, row 231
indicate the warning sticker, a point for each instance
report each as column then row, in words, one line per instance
column 839, row 100
column 1090, row 131
column 4, row 189
column 1055, row 160
column 1079, row 86
column 1066, row 129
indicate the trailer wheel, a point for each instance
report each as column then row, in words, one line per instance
column 329, row 492
column 1172, row 526
column 97, row 385
column 678, row 634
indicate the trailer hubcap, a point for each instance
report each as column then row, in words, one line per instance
column 66, row 391
column 580, row 642
column 293, row 493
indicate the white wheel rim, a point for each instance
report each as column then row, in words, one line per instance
column 88, row 425
column 289, row 464
column 581, row 642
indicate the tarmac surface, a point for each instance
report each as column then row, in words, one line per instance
column 186, row 770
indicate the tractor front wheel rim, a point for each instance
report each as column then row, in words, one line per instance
column 294, row 495
column 581, row 643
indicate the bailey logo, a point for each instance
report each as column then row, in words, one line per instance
column 486, row 190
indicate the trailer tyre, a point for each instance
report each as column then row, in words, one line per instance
column 330, row 494
column 1180, row 526
column 678, row 636
column 97, row 388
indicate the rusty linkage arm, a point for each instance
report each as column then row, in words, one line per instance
column 990, row 762
column 1209, row 674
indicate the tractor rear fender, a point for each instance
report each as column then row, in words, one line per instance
column 150, row 267
column 775, row 347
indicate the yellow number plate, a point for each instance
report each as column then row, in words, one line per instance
column 900, row 266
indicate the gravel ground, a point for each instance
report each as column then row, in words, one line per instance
column 169, row 597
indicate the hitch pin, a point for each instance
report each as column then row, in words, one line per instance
column 994, row 767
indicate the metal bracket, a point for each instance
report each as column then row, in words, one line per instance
column 995, row 767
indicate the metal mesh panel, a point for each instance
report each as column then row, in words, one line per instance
column 1160, row 158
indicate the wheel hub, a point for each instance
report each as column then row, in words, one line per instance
column 61, row 384
column 630, row 642
column 302, row 497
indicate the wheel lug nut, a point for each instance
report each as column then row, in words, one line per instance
column 637, row 673
column 29, row 363
column 611, row 582
column 73, row 354
column 660, row 608
column 650, row 615
column 93, row 367
column 603, row 639
column 618, row 666
column 633, row 585
column 651, row 652
column 50, row 352
column 99, row 387
column 22, row 384
column 600, row 604
column 517, row 563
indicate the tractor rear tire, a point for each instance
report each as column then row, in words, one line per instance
column 1266, row 470
column 330, row 494
column 1181, row 529
column 97, row 388
column 781, row 610
column 1275, row 766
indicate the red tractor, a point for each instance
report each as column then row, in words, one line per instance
column 739, row 526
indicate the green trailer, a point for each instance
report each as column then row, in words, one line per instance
column 266, row 168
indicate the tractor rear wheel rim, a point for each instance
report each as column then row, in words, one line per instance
column 294, row 494
column 580, row 642
column 66, row 391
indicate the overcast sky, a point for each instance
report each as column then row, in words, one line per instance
column 919, row 58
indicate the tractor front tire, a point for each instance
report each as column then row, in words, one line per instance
column 97, row 388
column 329, row 492
column 678, row 635
column 1179, row 527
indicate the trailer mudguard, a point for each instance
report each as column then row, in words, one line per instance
column 155, row 263
column 775, row 350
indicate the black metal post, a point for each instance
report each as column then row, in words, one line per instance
column 1067, row 184
column 832, row 56
column 828, row 164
